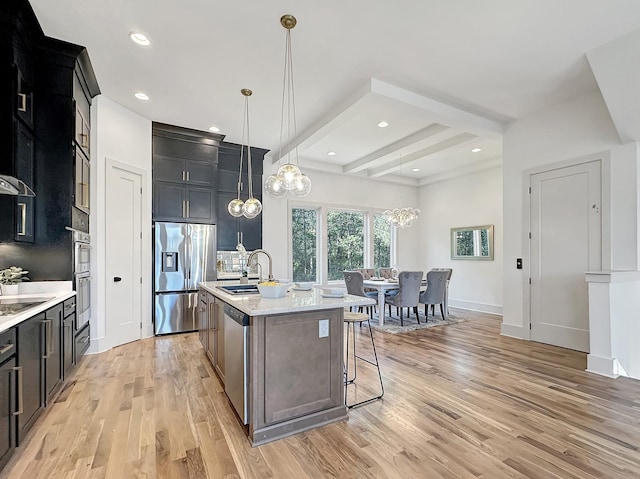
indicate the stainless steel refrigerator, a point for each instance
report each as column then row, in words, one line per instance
column 184, row 255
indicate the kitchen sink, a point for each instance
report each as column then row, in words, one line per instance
column 240, row 288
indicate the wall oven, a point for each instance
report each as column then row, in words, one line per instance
column 82, row 277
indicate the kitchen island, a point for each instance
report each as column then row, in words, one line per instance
column 281, row 360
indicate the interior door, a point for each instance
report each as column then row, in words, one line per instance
column 566, row 241
column 123, row 252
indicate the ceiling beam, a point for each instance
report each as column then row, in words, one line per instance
column 366, row 161
column 430, row 150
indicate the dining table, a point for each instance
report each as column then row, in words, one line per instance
column 382, row 286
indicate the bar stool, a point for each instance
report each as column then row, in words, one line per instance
column 350, row 319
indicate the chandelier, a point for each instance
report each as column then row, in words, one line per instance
column 289, row 178
column 252, row 207
column 401, row 217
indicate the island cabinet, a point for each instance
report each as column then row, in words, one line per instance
column 232, row 230
column 184, row 169
column 296, row 373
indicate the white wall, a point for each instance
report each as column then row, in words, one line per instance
column 470, row 200
column 341, row 190
column 120, row 134
column 580, row 128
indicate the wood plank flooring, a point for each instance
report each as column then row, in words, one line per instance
column 460, row 402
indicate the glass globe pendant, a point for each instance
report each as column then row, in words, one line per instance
column 289, row 178
column 235, row 207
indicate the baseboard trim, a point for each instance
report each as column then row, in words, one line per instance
column 480, row 307
column 98, row 345
column 607, row 367
column 513, row 331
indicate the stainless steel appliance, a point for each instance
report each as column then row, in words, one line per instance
column 184, row 255
column 82, row 277
column 236, row 359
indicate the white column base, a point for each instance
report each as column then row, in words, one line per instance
column 603, row 366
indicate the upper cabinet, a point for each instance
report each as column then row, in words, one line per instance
column 19, row 33
column 185, row 164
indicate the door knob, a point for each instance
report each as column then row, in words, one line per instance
column 116, row 279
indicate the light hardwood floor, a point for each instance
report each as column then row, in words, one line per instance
column 461, row 402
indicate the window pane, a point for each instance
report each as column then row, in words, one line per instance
column 304, row 229
column 381, row 242
column 345, row 242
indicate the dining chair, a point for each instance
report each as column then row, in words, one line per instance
column 408, row 294
column 354, row 283
column 446, row 290
column 385, row 273
column 435, row 292
column 367, row 273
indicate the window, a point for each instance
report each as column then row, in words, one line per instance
column 304, row 232
column 345, row 242
column 381, row 242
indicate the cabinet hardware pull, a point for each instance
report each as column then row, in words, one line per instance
column 48, row 327
column 23, row 102
column 188, row 176
column 188, row 209
column 22, row 231
column 84, row 143
column 6, row 347
column 183, row 176
column 18, row 370
column 86, row 340
column 183, row 209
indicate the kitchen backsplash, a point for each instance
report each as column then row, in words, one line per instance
column 233, row 262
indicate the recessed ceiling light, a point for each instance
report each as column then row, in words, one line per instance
column 142, row 96
column 139, row 38
column 331, row 153
column 214, row 129
column 415, row 169
column 383, row 124
column 476, row 150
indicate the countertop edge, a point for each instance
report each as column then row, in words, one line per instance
column 16, row 319
column 307, row 301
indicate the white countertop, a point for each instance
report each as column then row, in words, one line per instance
column 293, row 301
column 53, row 291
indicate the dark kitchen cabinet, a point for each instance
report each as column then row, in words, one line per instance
column 68, row 333
column 82, row 342
column 8, row 396
column 185, row 163
column 52, row 352
column 231, row 230
column 18, row 33
column 30, row 351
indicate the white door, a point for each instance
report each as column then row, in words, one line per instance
column 123, row 254
column 566, row 241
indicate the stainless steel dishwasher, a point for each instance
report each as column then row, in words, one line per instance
column 236, row 358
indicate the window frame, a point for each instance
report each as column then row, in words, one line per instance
column 322, row 258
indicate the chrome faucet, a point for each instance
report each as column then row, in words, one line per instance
column 255, row 252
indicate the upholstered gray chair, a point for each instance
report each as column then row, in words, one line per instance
column 385, row 273
column 367, row 273
column 446, row 291
column 408, row 293
column 435, row 292
column 353, row 281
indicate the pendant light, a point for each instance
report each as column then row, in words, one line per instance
column 289, row 178
column 252, row 207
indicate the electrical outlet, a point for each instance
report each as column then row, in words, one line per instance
column 323, row 328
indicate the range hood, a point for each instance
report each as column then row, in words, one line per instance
column 13, row 186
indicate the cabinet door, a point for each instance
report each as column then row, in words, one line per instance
column 82, row 176
column 251, row 230
column 169, row 169
column 227, row 230
column 7, row 407
column 168, row 202
column 199, row 172
column 24, row 158
column 201, row 205
column 23, row 98
column 219, row 335
column 30, row 347
column 212, row 330
column 52, row 351
column 67, row 344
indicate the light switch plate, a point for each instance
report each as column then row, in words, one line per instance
column 323, row 328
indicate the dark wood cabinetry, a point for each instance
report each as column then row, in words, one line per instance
column 52, row 352
column 30, row 351
column 185, row 163
column 19, row 31
column 8, row 405
column 68, row 333
column 232, row 229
